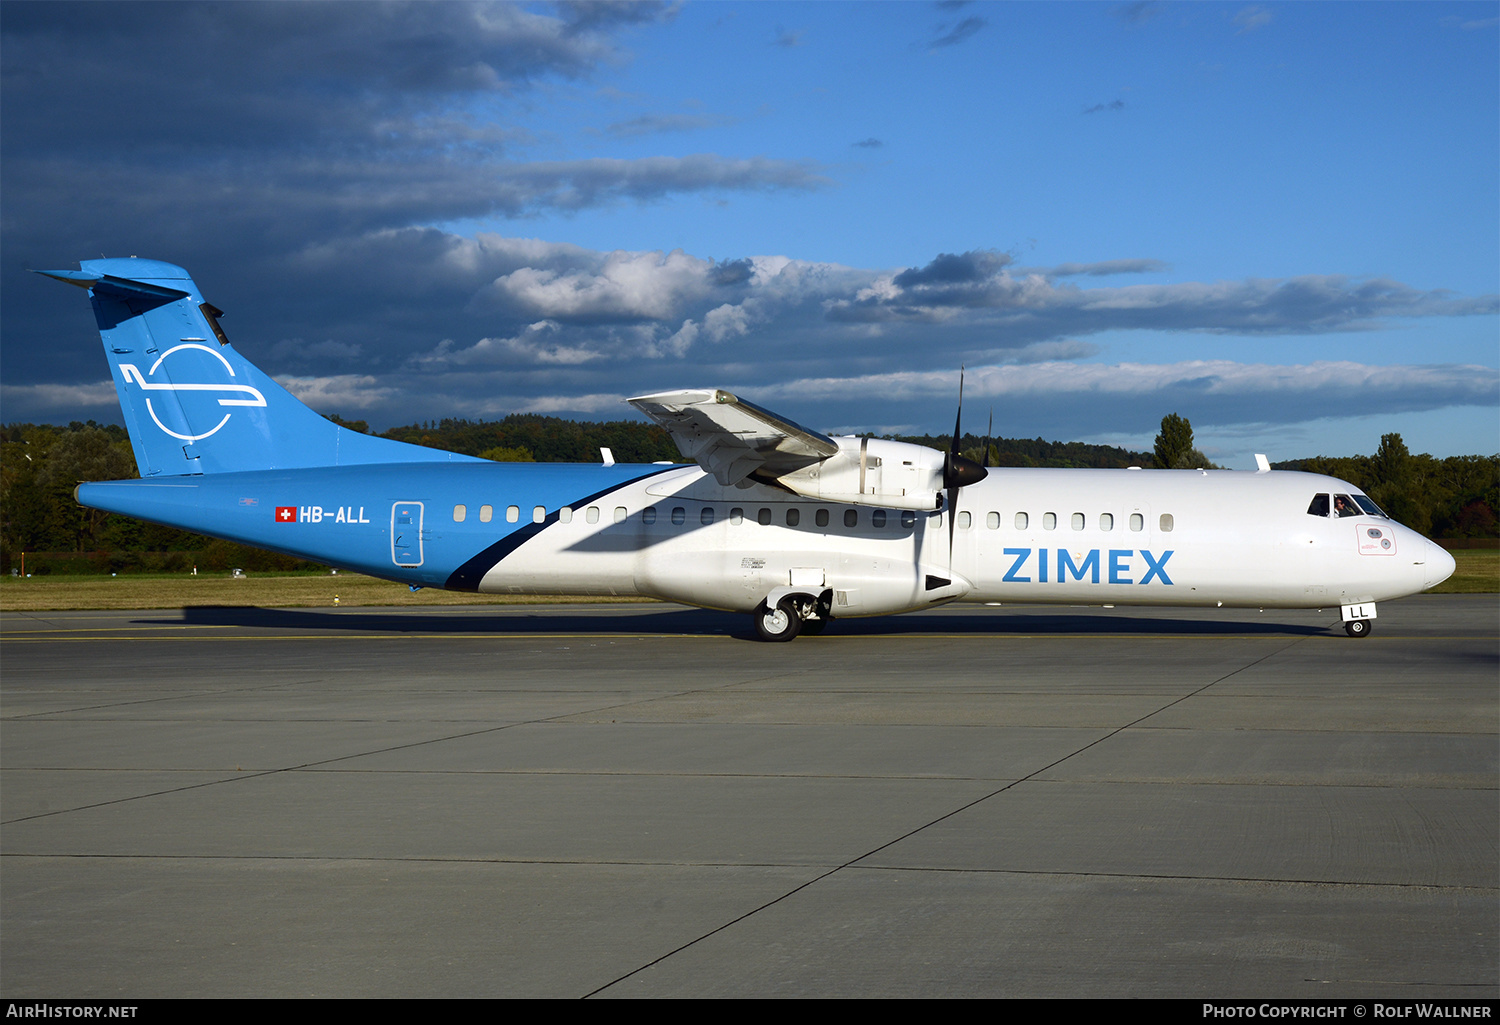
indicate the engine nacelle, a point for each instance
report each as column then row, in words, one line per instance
column 873, row 471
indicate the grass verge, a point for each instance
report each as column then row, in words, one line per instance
column 1478, row 572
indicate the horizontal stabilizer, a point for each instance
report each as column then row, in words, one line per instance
column 108, row 284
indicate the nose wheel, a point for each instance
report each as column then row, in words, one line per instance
column 1357, row 628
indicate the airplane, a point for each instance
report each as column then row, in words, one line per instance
column 770, row 518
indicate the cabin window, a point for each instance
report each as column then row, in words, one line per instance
column 679, row 516
column 539, row 514
column 908, row 518
column 937, row 520
column 513, row 513
column 620, row 514
column 793, row 516
column 1319, row 506
column 1049, row 521
column 1022, row 521
column 592, row 515
column 486, row 513
column 736, row 516
column 706, row 517
column 964, row 521
column 1137, row 522
column 648, row 515
column 459, row 512
column 1106, row 521
column 1165, row 522
column 565, row 514
column 1078, row 521
column 821, row 517
column 877, row 518
column 851, row 517
column 763, row 517
column 992, row 520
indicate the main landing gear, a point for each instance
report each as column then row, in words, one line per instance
column 793, row 614
column 778, row 624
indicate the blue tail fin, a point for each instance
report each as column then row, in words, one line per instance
column 192, row 403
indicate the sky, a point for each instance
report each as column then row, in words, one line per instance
column 1281, row 221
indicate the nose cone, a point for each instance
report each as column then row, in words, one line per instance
column 1440, row 565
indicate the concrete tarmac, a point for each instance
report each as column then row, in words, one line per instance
column 640, row 800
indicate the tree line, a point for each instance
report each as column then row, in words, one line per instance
column 40, row 464
column 1456, row 497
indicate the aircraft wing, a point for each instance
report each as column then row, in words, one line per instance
column 731, row 438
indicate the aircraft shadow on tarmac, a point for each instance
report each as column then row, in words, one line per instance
column 644, row 619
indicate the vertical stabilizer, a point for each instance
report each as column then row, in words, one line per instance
column 193, row 404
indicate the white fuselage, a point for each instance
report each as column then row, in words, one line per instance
column 1139, row 537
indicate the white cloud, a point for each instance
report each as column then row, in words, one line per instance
column 727, row 322
column 534, row 345
column 624, row 286
column 1460, row 384
column 1249, row 19
column 38, row 399
column 338, row 392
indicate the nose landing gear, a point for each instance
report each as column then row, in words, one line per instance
column 1358, row 618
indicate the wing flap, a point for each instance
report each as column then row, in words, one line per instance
column 732, row 438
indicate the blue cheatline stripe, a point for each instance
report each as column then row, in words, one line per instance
column 468, row 576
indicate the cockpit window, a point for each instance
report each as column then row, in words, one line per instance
column 1370, row 507
column 1319, row 506
column 1343, row 505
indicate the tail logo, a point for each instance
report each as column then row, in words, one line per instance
column 248, row 396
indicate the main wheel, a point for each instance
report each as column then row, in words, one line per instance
column 779, row 624
column 1357, row 628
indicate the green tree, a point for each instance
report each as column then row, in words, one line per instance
column 1393, row 462
column 505, row 454
column 85, row 453
column 1398, row 484
column 1174, row 446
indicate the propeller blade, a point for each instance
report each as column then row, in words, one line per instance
column 959, row 472
column 959, row 419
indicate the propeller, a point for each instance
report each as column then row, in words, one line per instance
column 959, row 472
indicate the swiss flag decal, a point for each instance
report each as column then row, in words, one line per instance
column 286, row 514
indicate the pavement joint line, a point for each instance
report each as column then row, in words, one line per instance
column 652, row 774
column 306, row 766
column 736, row 865
column 918, row 829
